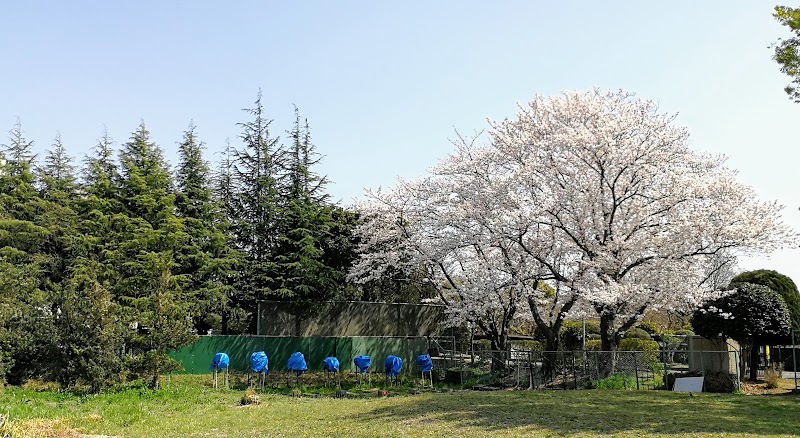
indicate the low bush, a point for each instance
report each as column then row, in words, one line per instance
column 719, row 382
column 593, row 345
column 527, row 345
column 482, row 344
column 650, row 327
column 650, row 348
column 772, row 376
column 684, row 332
column 637, row 333
column 617, row 381
column 572, row 332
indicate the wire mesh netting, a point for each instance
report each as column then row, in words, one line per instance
column 575, row 369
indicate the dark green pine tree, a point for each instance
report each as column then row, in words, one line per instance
column 149, row 234
column 303, row 273
column 206, row 263
column 236, row 314
column 59, row 191
column 25, row 310
column 90, row 321
column 18, row 153
column 89, row 334
column 257, row 222
column 57, row 174
column 165, row 319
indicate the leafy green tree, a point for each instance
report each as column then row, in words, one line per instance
column 779, row 283
column 787, row 51
column 752, row 315
column 205, row 261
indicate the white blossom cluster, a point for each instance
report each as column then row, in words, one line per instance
column 597, row 194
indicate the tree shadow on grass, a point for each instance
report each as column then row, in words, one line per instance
column 599, row 412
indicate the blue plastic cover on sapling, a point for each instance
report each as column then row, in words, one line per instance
column 362, row 363
column 392, row 366
column 259, row 362
column 331, row 364
column 297, row 363
column 425, row 363
column 220, row 361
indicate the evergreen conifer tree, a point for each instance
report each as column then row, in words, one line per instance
column 205, row 261
column 256, row 223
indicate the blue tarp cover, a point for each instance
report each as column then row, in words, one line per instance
column 363, row 363
column 331, row 364
column 425, row 363
column 392, row 366
column 220, row 362
column 297, row 362
column 259, row 362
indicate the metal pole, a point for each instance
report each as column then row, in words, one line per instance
column 583, row 336
column 794, row 361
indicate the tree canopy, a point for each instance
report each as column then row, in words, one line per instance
column 779, row 283
column 787, row 50
column 596, row 193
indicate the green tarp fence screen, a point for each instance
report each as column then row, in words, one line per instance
column 197, row 357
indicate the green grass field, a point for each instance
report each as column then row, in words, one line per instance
column 190, row 408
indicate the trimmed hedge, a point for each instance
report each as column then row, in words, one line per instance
column 637, row 333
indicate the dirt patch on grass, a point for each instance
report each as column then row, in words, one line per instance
column 785, row 386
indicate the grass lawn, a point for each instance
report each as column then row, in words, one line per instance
column 190, row 408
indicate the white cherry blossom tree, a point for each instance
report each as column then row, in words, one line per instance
column 596, row 193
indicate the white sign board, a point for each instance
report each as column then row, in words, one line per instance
column 688, row 384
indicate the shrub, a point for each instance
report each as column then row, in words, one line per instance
column 772, row 376
column 250, row 398
column 650, row 357
column 719, row 382
column 593, row 345
column 636, row 344
column 483, row 344
column 684, row 332
column 527, row 345
column 617, row 381
column 637, row 333
column 572, row 331
column 650, row 327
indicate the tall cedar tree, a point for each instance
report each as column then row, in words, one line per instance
column 256, row 223
column 303, row 273
column 205, row 261
column 235, row 315
column 25, row 328
column 88, row 326
column 149, row 236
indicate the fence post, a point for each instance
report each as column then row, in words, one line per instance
column 574, row 374
column 530, row 370
column 636, row 368
column 702, row 366
column 794, row 362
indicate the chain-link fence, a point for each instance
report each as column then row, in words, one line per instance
column 635, row 370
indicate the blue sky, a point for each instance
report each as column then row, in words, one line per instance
column 384, row 84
